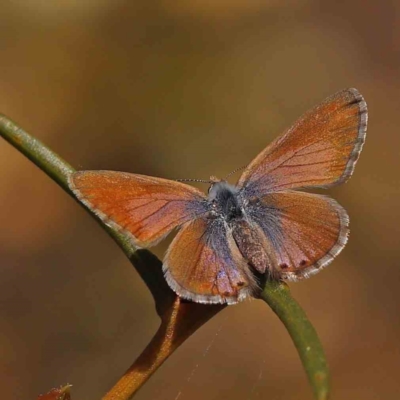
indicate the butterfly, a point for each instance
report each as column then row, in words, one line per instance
column 260, row 227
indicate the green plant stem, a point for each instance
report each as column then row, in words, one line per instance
column 303, row 334
column 48, row 161
column 191, row 315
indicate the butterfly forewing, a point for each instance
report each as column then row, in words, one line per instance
column 320, row 149
column 306, row 231
column 203, row 264
column 146, row 208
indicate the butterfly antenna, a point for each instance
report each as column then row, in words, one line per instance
column 234, row 171
column 193, row 180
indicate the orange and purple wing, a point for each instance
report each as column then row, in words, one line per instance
column 320, row 149
column 146, row 208
column 306, row 231
column 204, row 265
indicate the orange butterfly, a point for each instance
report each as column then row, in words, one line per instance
column 261, row 227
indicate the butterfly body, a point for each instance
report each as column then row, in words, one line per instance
column 229, row 206
column 260, row 227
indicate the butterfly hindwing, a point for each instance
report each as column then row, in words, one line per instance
column 204, row 265
column 305, row 231
column 146, row 208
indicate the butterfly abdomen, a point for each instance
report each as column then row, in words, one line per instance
column 250, row 245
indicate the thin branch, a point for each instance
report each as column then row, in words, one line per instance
column 179, row 322
column 48, row 161
column 179, row 319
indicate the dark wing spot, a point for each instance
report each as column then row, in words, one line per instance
column 283, row 266
column 303, row 263
column 240, row 284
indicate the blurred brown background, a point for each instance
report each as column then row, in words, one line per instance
column 186, row 89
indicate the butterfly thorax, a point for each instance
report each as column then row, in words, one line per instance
column 225, row 201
